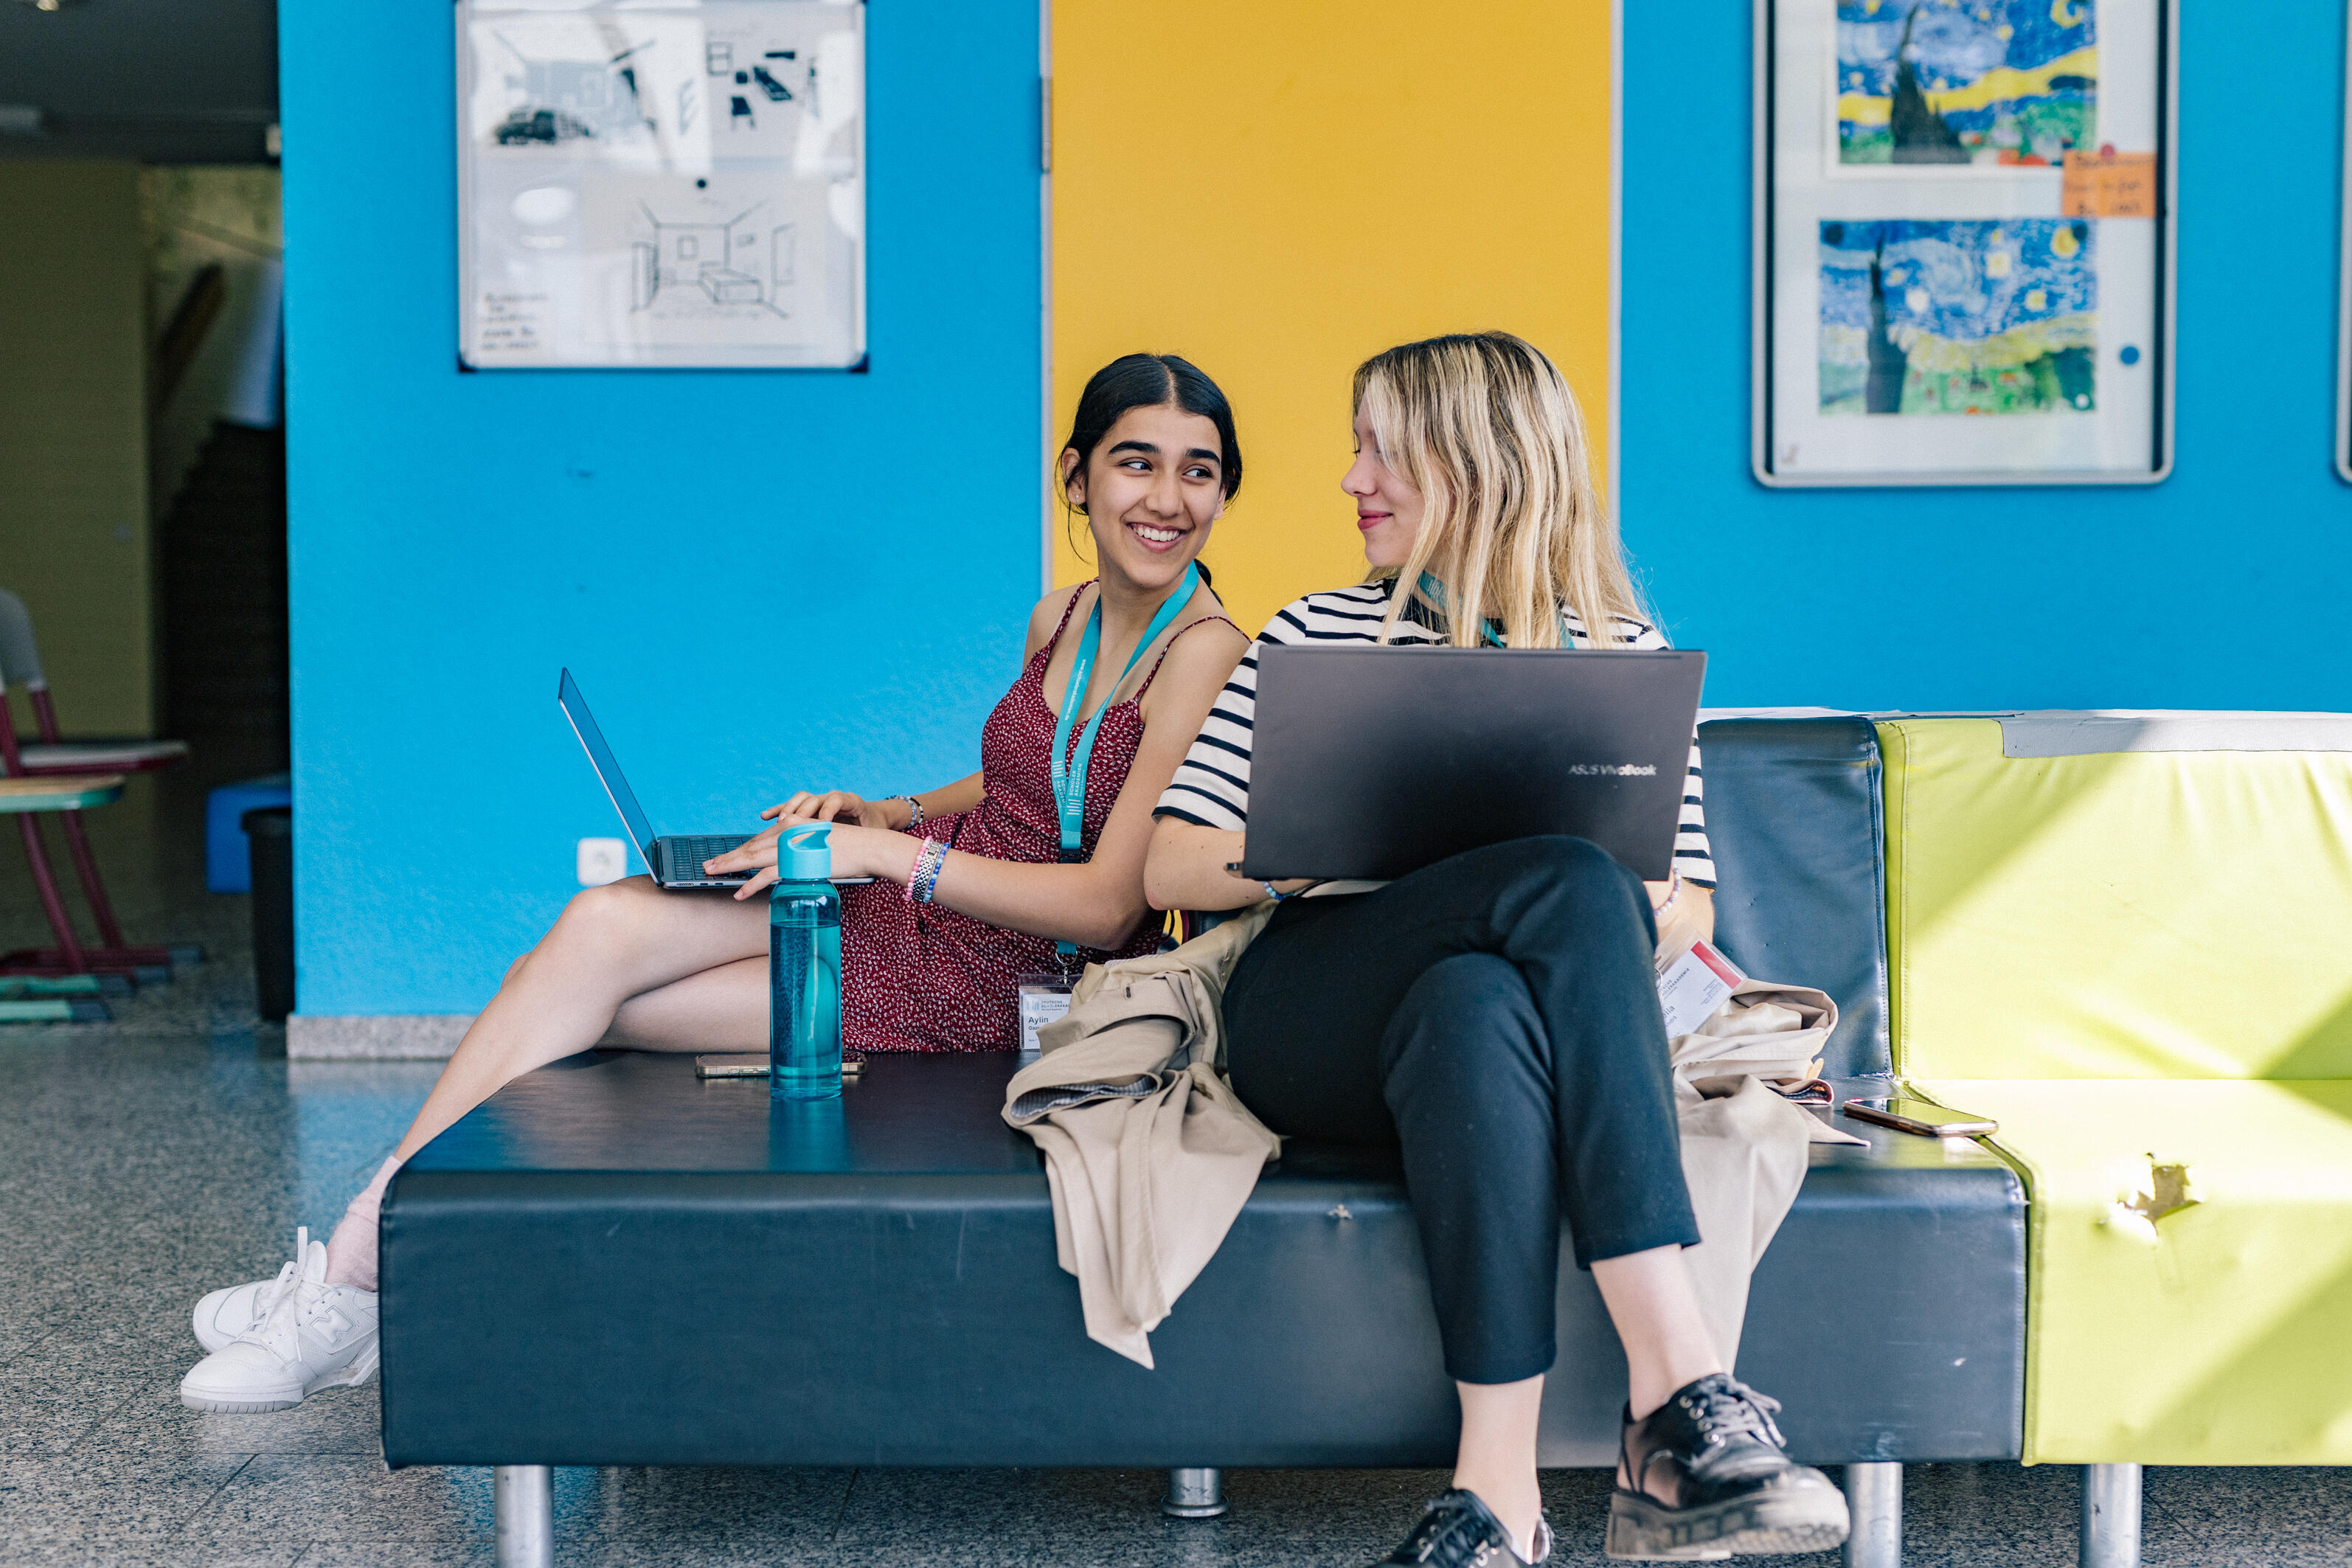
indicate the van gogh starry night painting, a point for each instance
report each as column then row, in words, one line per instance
column 1958, row 318
column 1964, row 81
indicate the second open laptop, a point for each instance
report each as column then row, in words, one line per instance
column 1372, row 763
column 675, row 860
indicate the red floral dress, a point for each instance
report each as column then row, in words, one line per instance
column 922, row 977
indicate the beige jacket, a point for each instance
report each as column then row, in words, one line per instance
column 1744, row 1147
column 1150, row 1155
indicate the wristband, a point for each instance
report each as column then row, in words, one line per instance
column 923, row 878
column 914, row 811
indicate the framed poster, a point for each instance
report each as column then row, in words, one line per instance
column 669, row 184
column 1963, row 241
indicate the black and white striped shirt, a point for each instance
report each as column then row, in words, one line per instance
column 1212, row 788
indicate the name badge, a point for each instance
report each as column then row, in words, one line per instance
column 1043, row 998
column 1693, row 986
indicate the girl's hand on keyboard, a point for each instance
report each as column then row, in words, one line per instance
column 832, row 805
column 837, row 806
column 857, row 852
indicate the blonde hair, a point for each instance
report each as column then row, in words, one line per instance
column 1486, row 429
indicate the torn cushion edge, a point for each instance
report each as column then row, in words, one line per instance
column 2190, row 1266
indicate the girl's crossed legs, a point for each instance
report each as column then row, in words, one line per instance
column 1496, row 1016
column 627, row 964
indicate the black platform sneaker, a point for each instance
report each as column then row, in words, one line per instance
column 1708, row 1479
column 1459, row 1531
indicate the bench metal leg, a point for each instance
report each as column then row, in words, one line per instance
column 1195, row 1494
column 1874, row 1494
column 525, row 1506
column 2110, row 1516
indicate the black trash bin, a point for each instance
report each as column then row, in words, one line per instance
column 269, row 843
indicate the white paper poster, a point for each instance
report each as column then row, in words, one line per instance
column 670, row 185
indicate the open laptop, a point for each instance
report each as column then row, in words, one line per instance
column 675, row 861
column 1370, row 761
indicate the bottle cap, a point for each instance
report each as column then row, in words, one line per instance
column 806, row 853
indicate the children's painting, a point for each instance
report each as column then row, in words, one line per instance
column 1985, row 82
column 1958, row 318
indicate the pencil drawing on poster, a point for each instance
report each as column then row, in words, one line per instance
column 1958, row 317
column 571, row 99
column 691, row 264
column 1988, row 83
column 664, row 184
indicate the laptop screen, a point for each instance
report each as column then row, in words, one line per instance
column 600, row 757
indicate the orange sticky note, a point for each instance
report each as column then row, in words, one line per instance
column 2108, row 185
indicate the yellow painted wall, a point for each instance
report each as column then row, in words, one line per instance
column 74, row 536
column 1277, row 192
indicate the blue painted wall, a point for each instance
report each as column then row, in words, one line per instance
column 2222, row 587
column 762, row 580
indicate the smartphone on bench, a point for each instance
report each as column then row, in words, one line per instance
column 754, row 1064
column 1919, row 1116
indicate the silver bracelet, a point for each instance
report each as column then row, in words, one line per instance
column 925, row 881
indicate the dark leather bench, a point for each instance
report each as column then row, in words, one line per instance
column 656, row 1270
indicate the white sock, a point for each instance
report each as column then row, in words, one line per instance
column 351, row 1250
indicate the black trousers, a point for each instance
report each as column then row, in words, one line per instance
column 1495, row 1016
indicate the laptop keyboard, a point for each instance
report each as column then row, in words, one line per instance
column 686, row 855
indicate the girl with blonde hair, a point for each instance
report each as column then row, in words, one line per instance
column 1495, row 1016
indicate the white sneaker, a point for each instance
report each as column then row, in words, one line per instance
column 224, row 1314
column 314, row 1336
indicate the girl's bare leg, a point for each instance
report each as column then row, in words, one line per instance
column 1498, row 1455
column 723, row 1008
column 1656, row 1310
column 1654, row 1307
column 612, row 943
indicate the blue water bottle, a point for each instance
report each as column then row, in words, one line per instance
column 805, row 969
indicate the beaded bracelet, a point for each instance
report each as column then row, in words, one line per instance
column 914, row 811
column 923, row 852
column 1674, row 891
column 923, row 879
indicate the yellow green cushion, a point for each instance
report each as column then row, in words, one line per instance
column 2218, row 1334
column 2150, row 915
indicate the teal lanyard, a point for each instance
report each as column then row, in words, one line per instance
column 1070, row 776
column 1434, row 592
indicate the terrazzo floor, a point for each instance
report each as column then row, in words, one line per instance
column 145, row 1161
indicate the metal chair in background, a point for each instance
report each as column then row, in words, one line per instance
column 76, row 771
column 67, row 992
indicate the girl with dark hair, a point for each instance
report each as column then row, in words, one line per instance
column 1033, row 863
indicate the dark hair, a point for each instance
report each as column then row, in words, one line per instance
column 1151, row 381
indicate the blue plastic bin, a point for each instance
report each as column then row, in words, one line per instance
column 227, row 869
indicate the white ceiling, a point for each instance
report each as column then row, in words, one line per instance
column 164, row 81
